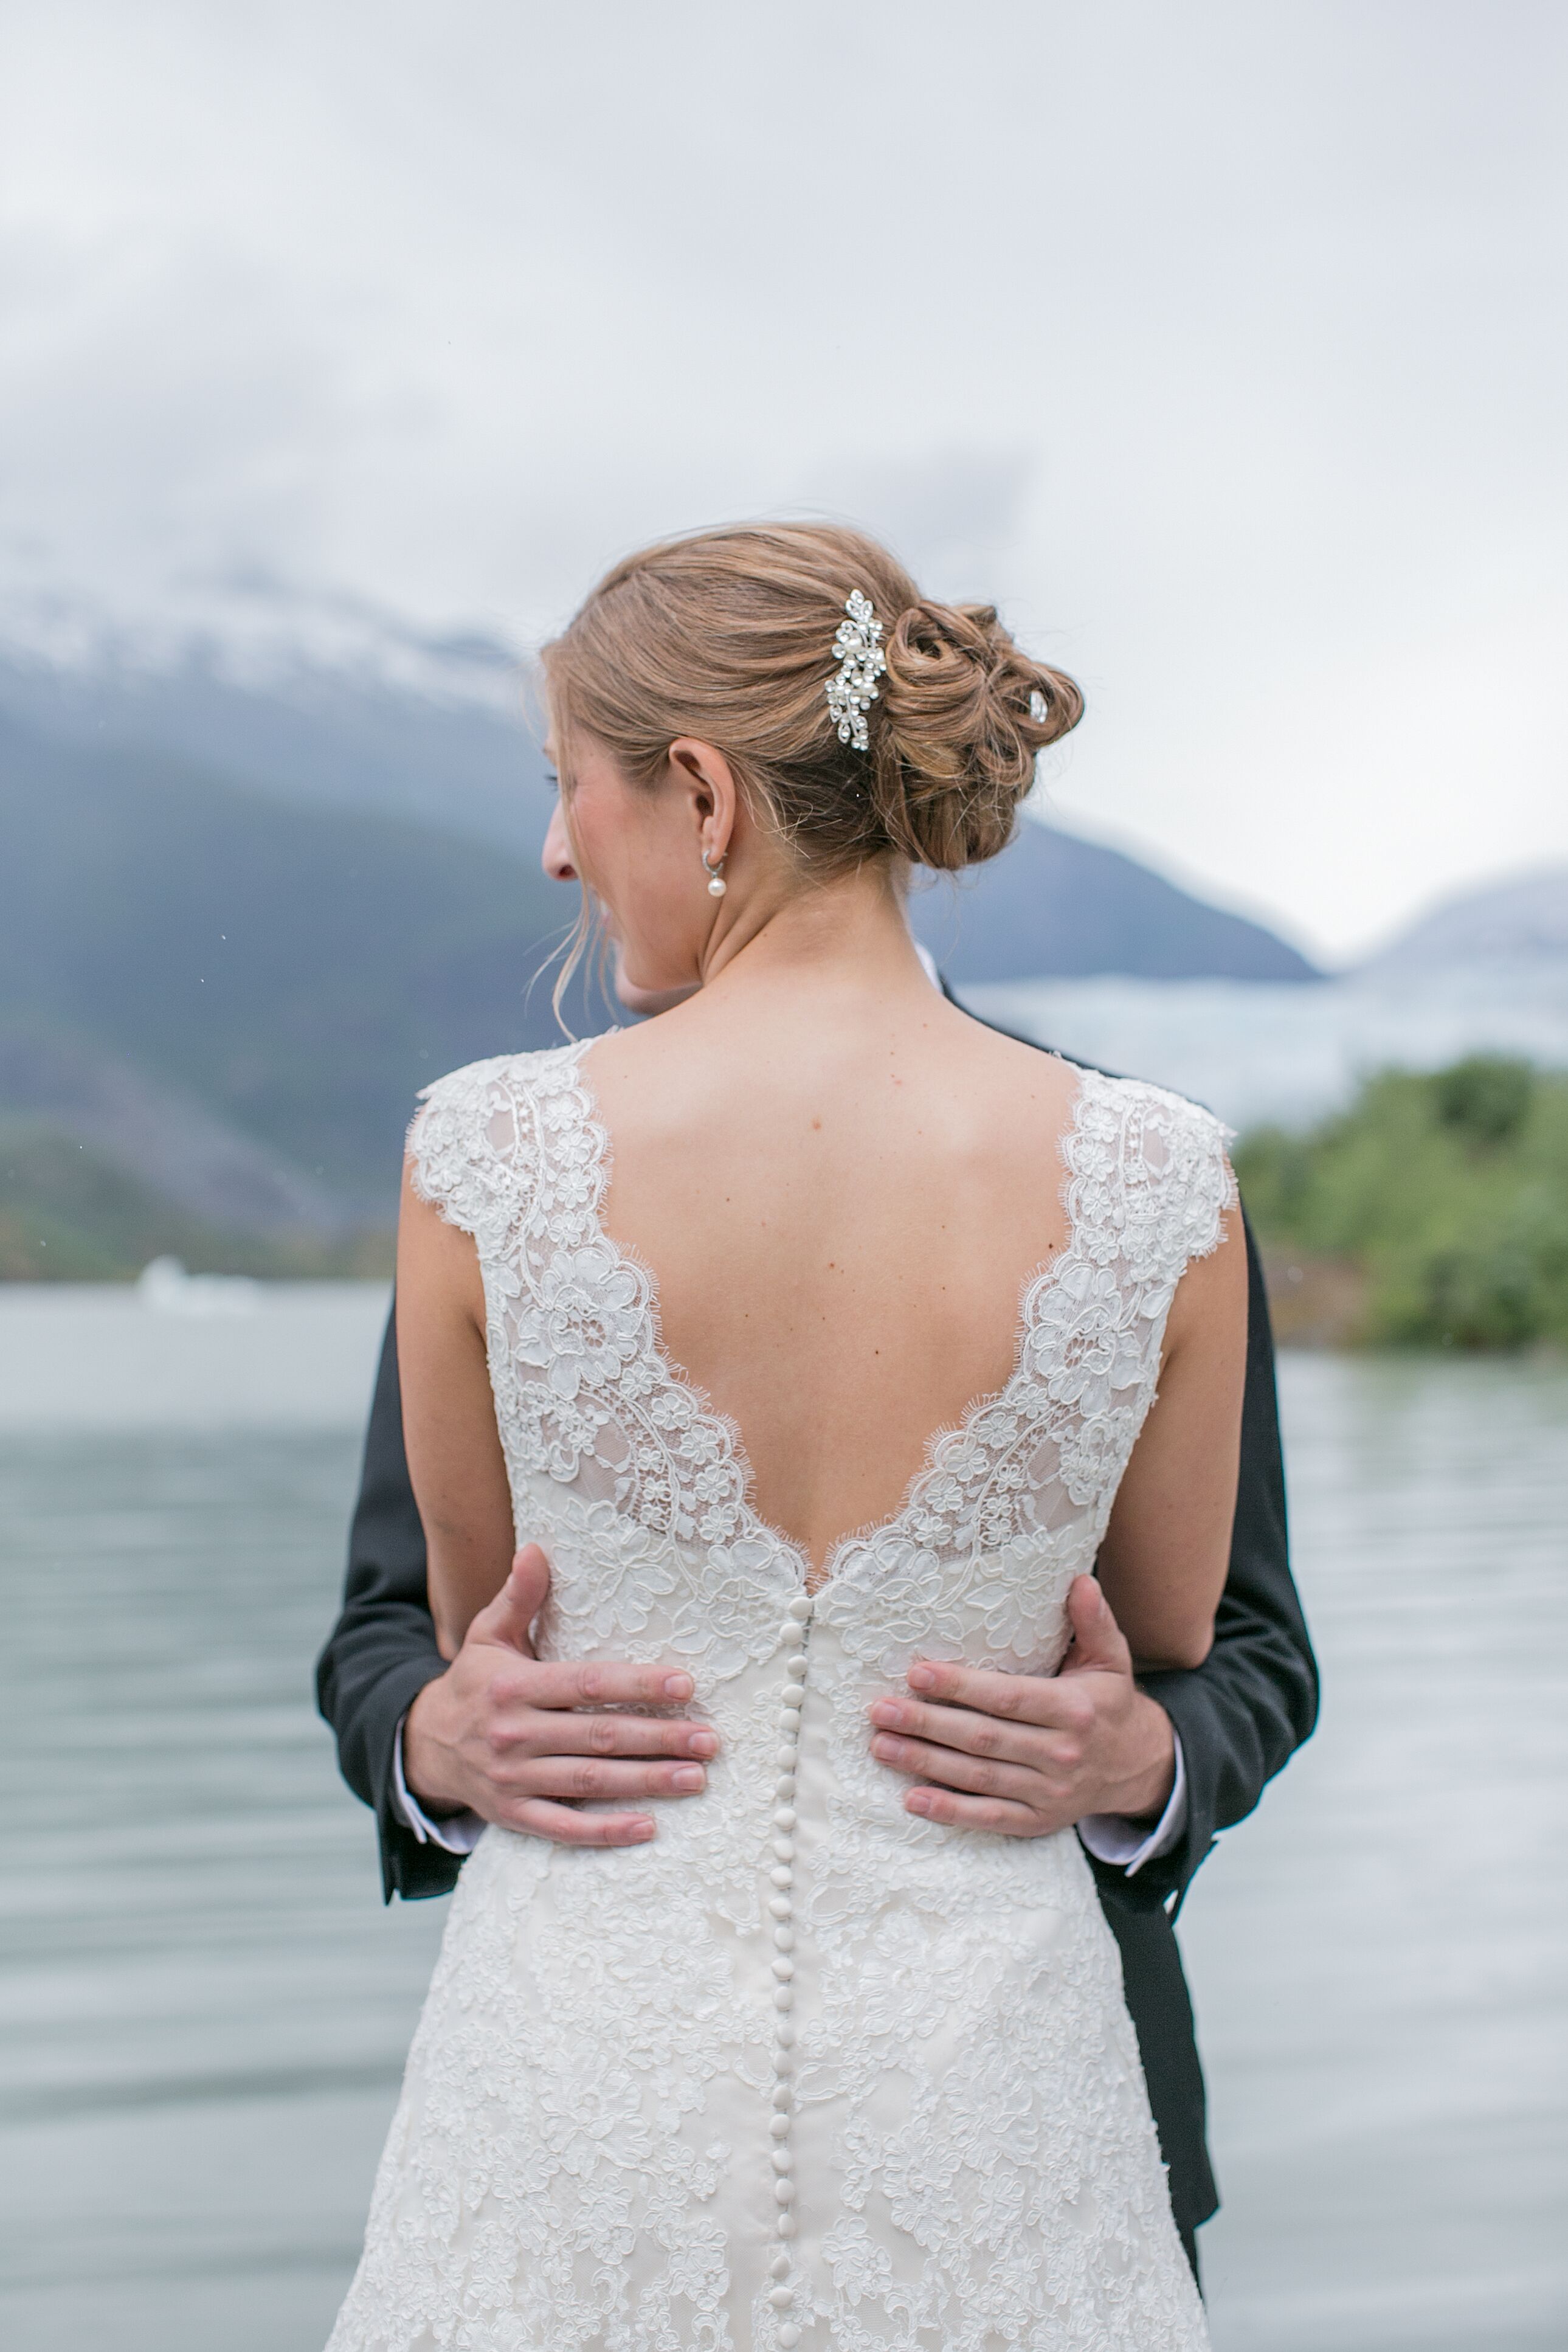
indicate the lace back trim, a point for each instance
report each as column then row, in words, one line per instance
column 513, row 1150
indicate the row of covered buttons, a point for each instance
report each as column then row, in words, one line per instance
column 781, row 1906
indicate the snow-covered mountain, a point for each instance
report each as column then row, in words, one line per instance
column 315, row 698
column 252, row 632
column 274, row 858
column 329, row 701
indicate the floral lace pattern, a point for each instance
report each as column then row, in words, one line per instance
column 580, row 2160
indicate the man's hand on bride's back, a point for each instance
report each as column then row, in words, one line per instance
column 1027, row 1755
column 502, row 1733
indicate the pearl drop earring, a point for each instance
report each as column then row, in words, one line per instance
column 717, row 885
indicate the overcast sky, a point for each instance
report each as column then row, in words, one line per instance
column 1223, row 345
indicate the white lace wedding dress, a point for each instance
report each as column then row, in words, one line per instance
column 804, row 2070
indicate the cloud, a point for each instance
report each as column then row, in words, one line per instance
column 1222, row 347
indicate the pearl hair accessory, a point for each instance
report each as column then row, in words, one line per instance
column 852, row 690
column 717, row 886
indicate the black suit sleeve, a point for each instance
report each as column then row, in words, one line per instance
column 1243, row 1713
column 1254, row 1699
column 382, row 1650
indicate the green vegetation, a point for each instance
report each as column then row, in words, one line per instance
column 1445, row 1196
column 69, row 1215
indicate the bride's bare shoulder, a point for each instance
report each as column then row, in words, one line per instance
column 1005, row 1053
column 687, row 1049
column 1000, row 1068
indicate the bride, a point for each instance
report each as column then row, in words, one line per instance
column 812, row 1328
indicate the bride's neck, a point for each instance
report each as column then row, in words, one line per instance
column 844, row 936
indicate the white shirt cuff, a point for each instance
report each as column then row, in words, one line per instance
column 1110, row 1837
column 459, row 1833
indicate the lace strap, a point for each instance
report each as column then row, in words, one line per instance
column 463, row 1144
column 1150, row 1180
column 1182, row 1160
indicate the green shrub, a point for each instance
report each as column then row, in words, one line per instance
column 1484, row 1097
column 1449, row 1192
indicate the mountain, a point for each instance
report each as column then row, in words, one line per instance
column 254, row 893
column 432, row 728
column 448, row 748
column 158, row 1137
column 1053, row 906
column 1523, row 919
column 1484, row 974
column 254, row 988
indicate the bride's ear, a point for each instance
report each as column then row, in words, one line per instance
column 704, row 776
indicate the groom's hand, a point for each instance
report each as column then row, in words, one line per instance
column 496, row 1734
column 1031, row 1754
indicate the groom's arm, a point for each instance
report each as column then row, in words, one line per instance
column 495, row 1730
column 1241, row 1715
column 383, row 1651
column 1027, row 1755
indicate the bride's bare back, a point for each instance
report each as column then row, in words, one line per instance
column 839, row 1203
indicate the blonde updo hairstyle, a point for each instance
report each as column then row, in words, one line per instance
column 727, row 635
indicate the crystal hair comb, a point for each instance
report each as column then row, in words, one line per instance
column 852, row 690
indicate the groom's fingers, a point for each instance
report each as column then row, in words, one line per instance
column 1054, row 1702
column 596, row 1682
column 554, row 1734
column 1028, row 1743
column 975, row 1775
column 537, row 1817
column 997, row 1813
column 508, row 1622
column 586, row 1779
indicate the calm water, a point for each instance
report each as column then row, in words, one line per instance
column 204, row 2006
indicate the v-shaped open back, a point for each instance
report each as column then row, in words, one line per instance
column 615, row 1455
column 723, row 1430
